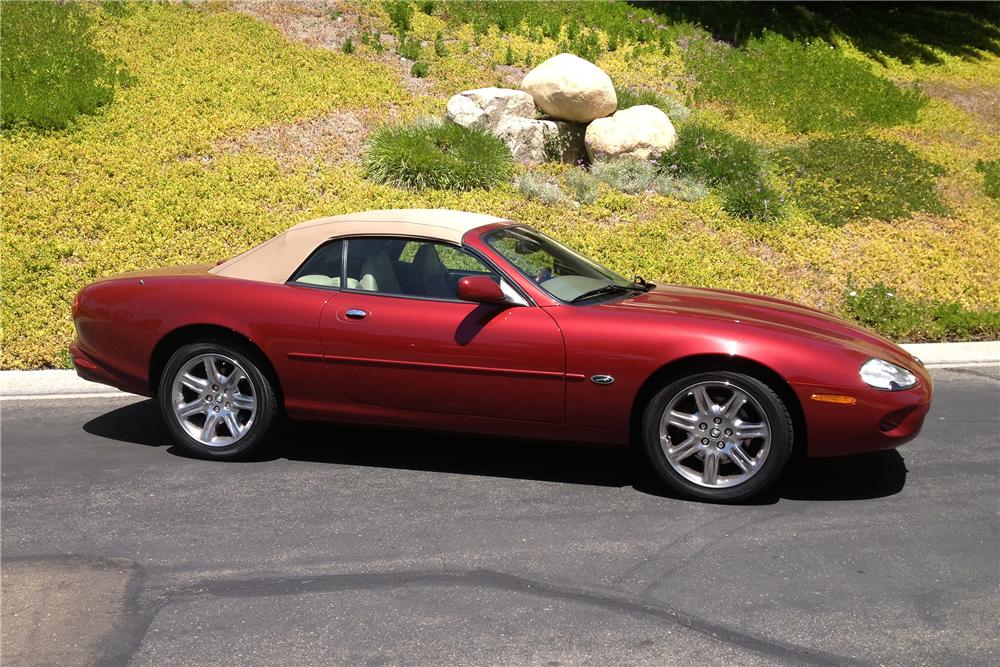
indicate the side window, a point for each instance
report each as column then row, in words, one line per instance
column 410, row 267
column 323, row 266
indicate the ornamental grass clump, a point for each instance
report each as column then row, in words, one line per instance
column 712, row 155
column 439, row 155
column 680, row 187
column 583, row 187
column 629, row 175
column 735, row 166
column 541, row 188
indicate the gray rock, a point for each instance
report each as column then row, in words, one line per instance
column 485, row 108
column 532, row 141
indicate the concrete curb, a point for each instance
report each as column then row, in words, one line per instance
column 66, row 384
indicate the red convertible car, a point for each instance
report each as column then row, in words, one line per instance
column 455, row 321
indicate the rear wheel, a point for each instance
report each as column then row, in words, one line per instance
column 719, row 436
column 216, row 401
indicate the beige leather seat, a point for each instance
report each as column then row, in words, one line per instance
column 429, row 273
column 377, row 274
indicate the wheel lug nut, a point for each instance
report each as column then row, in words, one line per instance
column 217, row 409
column 720, row 445
column 702, row 426
column 215, row 387
column 227, row 405
column 718, row 420
column 208, row 398
column 704, row 441
column 729, row 431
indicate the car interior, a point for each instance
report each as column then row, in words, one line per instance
column 408, row 267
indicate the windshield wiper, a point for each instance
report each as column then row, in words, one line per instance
column 607, row 289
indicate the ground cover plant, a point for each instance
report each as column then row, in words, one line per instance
column 49, row 68
column 879, row 306
column 236, row 122
column 990, row 169
column 442, row 155
column 809, row 86
column 885, row 180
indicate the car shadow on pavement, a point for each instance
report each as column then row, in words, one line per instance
column 857, row 477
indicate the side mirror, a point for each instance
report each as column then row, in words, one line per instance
column 480, row 289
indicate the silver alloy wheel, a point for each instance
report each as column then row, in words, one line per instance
column 715, row 435
column 214, row 400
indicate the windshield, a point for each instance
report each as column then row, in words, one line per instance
column 560, row 271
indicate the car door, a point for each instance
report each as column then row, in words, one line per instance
column 397, row 336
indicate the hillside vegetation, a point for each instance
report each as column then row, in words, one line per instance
column 137, row 135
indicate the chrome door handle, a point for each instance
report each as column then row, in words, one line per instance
column 356, row 313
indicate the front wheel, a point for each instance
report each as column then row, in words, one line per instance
column 718, row 436
column 217, row 402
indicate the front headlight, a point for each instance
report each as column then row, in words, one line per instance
column 883, row 375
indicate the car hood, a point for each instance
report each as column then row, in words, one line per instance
column 760, row 312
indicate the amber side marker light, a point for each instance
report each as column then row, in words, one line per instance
column 834, row 398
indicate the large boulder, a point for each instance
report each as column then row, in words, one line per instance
column 567, row 87
column 484, row 108
column 642, row 132
column 532, row 141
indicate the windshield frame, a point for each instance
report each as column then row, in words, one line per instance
column 628, row 286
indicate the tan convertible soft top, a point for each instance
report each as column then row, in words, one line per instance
column 274, row 261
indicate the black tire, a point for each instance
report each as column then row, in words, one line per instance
column 262, row 420
column 771, row 467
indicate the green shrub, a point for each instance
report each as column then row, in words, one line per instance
column 420, row 69
column 348, row 46
column 49, row 71
column 878, row 307
column 427, row 6
column 843, row 178
column 437, row 155
column 712, row 155
column 400, row 15
column 810, row 86
column 620, row 21
column 753, row 199
column 629, row 97
column 585, row 45
column 628, row 175
column 990, row 169
column 680, row 187
column 583, row 187
column 541, row 188
column 508, row 57
column 409, row 48
column 439, row 46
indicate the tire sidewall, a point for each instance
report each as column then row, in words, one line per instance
column 780, row 446
column 263, row 392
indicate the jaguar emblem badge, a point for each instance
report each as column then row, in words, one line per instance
column 601, row 379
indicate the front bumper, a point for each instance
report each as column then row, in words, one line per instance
column 877, row 420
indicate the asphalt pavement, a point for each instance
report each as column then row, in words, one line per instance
column 377, row 547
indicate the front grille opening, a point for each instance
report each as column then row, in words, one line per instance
column 891, row 421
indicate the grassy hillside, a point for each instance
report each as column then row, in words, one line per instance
column 187, row 133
